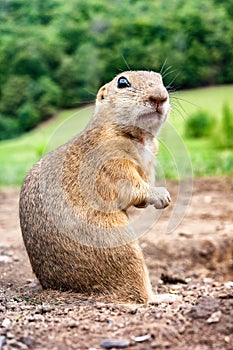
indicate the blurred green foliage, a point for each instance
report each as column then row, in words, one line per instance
column 223, row 134
column 227, row 126
column 56, row 53
column 199, row 124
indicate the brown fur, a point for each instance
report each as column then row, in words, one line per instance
column 74, row 201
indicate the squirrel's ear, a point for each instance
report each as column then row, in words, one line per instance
column 101, row 93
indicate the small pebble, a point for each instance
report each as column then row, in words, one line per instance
column 186, row 234
column 181, row 329
column 188, row 279
column 207, row 280
column 46, row 308
column 10, row 335
column 2, row 340
column 32, row 285
column 215, row 317
column 115, row 343
column 208, row 199
column 5, row 259
column 227, row 339
column 228, row 284
column 142, row 338
column 6, row 322
column 14, row 344
column 166, row 298
column 27, row 341
column 29, row 280
column 73, row 324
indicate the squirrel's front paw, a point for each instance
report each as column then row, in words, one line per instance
column 161, row 198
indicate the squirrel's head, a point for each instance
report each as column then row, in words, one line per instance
column 136, row 98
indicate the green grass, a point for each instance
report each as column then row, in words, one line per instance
column 195, row 156
column 18, row 155
column 178, row 156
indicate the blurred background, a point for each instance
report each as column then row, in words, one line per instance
column 55, row 54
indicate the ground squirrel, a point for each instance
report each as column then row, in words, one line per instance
column 74, row 201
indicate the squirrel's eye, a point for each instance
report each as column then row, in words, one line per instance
column 123, row 83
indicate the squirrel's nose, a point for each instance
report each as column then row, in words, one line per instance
column 157, row 99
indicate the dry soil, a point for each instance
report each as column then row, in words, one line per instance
column 195, row 261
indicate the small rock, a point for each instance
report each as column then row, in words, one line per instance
column 32, row 285
column 215, row 317
column 188, row 279
column 115, row 343
column 10, row 335
column 46, row 308
column 208, row 199
column 228, row 284
column 227, row 339
column 100, row 305
column 205, row 307
column 142, row 338
column 27, row 341
column 5, row 259
column 166, row 298
column 2, row 308
column 186, row 234
column 181, row 329
column 14, row 344
column 2, row 340
column 133, row 311
column 73, row 324
column 29, row 280
column 31, row 319
column 12, row 305
column 207, row 280
column 6, row 322
column 167, row 345
column 158, row 315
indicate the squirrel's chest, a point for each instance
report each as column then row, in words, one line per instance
column 148, row 153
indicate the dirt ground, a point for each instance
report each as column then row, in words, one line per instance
column 195, row 262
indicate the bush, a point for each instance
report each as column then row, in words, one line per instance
column 199, row 124
column 28, row 59
column 15, row 92
column 28, row 101
column 223, row 137
column 28, row 116
column 227, row 126
column 47, row 97
column 9, row 127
